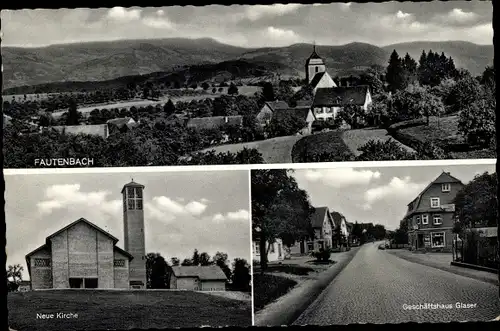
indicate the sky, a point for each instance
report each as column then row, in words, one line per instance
column 277, row 25
column 377, row 195
column 183, row 210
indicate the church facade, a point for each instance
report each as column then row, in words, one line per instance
column 83, row 255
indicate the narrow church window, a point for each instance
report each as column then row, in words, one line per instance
column 139, row 204
column 317, row 69
column 138, row 193
column 131, row 192
column 130, row 204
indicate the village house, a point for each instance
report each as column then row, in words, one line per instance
column 275, row 250
column 121, row 124
column 266, row 113
column 198, row 278
column 328, row 102
column 340, row 228
column 83, row 255
column 302, row 113
column 430, row 216
column 322, row 225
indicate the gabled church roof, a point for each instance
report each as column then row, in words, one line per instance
column 80, row 220
column 340, row 96
column 317, row 78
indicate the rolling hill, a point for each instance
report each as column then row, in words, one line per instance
column 107, row 61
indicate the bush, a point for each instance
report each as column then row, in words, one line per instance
column 376, row 150
column 323, row 255
column 268, row 288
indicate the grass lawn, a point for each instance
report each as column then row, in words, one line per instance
column 443, row 132
column 274, row 150
column 268, row 288
column 287, row 268
column 322, row 147
column 101, row 310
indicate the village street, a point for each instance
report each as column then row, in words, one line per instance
column 377, row 287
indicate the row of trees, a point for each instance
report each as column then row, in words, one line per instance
column 159, row 270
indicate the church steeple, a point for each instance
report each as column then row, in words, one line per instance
column 314, row 65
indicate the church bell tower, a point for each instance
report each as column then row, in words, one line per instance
column 133, row 221
column 314, row 65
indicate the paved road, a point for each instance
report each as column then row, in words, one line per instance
column 376, row 285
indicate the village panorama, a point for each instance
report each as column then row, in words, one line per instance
column 177, row 90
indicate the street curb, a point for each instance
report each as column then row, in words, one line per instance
column 290, row 306
column 456, row 272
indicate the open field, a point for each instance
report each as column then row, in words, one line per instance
column 101, row 309
column 322, row 147
column 274, row 150
column 443, row 132
column 354, row 139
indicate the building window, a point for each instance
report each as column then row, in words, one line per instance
column 437, row 239
column 310, row 246
column 437, row 220
column 318, row 110
column 417, row 219
column 445, row 187
column 271, row 250
column 425, row 219
column 42, row 263
column 119, row 263
column 317, row 69
column 134, row 198
column 435, row 203
column 257, row 248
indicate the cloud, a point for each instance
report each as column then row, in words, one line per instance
column 122, row 14
column 164, row 208
column 65, row 196
column 282, row 34
column 342, row 177
column 457, row 15
column 397, row 189
column 402, row 15
column 158, row 23
column 160, row 12
column 254, row 13
column 240, row 215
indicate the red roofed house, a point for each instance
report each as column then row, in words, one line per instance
column 430, row 216
column 198, row 278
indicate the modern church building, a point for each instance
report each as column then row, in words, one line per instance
column 82, row 255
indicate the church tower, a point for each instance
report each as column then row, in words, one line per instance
column 133, row 221
column 314, row 65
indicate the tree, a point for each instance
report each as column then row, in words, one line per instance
column 232, row 90
column 395, row 72
column 465, row 92
column 289, row 123
column 409, row 70
column 205, row 86
column 175, row 261
column 205, row 259
column 477, row 122
column 241, row 275
column 169, row 107
column 280, row 209
column 220, row 259
column 476, row 202
column 158, row 272
column 46, row 119
column 268, row 92
column 372, row 78
column 187, row 262
column 196, row 258
column 353, row 115
column 73, row 115
column 15, row 273
column 425, row 104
